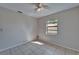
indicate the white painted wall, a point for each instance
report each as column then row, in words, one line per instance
column 17, row 28
column 68, row 35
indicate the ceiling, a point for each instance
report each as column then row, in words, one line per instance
column 29, row 8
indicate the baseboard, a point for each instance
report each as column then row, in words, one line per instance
column 66, row 47
column 13, row 46
column 43, row 40
column 56, row 43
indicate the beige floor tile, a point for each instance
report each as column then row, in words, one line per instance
column 70, row 52
column 35, row 49
column 7, row 52
column 16, row 51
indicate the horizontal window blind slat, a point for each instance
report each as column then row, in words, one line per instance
column 52, row 24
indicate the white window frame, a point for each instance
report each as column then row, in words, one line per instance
column 52, row 27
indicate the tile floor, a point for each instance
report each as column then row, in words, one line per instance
column 35, row 49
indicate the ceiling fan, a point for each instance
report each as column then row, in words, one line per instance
column 40, row 6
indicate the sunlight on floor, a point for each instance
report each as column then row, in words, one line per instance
column 37, row 42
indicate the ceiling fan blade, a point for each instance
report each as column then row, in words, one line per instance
column 40, row 6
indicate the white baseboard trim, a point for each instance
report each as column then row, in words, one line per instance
column 13, row 46
column 65, row 46
column 68, row 47
column 48, row 42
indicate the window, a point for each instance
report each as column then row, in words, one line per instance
column 52, row 27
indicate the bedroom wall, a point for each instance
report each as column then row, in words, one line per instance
column 68, row 34
column 15, row 28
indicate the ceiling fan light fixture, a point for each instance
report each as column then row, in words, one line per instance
column 39, row 9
